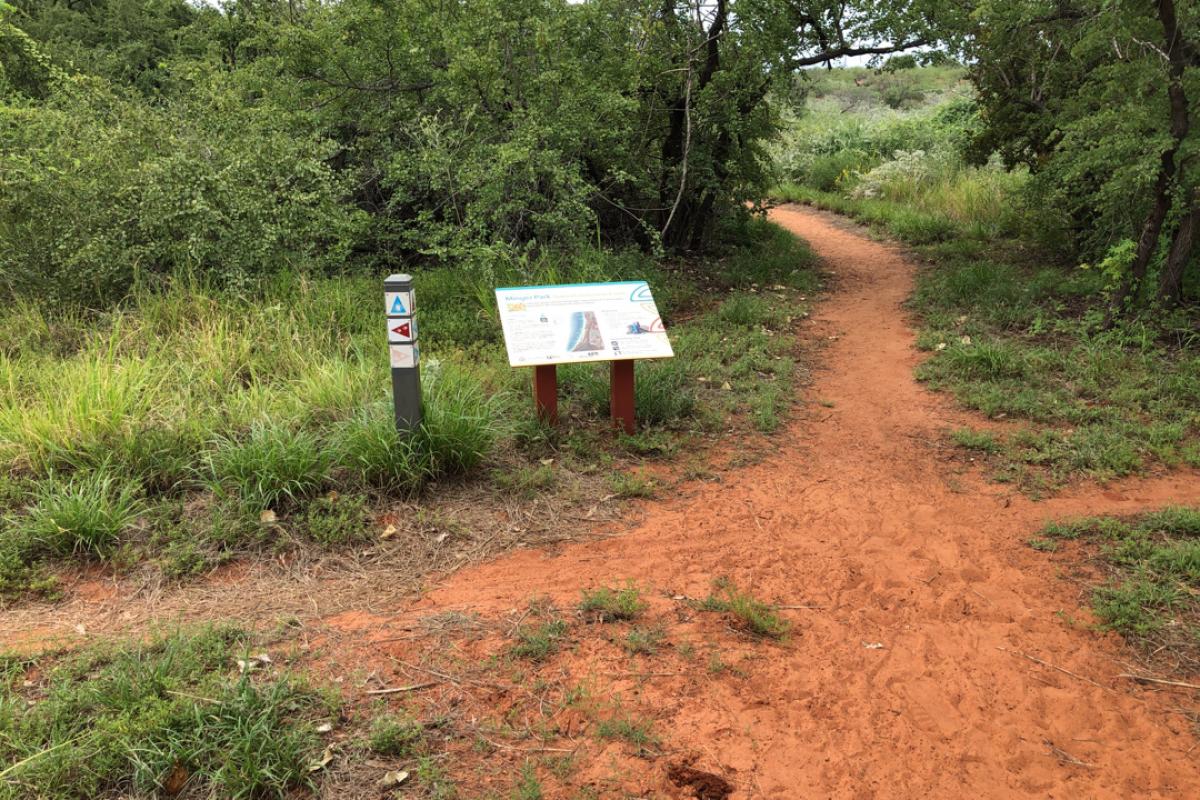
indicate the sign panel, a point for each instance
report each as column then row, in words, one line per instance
column 401, row 330
column 403, row 356
column 398, row 304
column 581, row 322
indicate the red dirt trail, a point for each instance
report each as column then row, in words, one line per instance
column 856, row 514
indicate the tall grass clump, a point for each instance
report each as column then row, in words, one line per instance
column 270, row 466
column 459, row 425
column 84, row 514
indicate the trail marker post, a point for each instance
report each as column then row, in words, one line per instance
column 403, row 351
column 545, row 326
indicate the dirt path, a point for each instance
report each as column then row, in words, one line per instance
column 858, row 515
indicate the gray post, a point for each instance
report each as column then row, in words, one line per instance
column 403, row 351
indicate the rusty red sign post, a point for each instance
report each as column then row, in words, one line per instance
column 545, row 326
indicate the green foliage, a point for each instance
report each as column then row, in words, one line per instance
column 272, row 466
column 124, row 717
column 206, row 186
column 610, row 605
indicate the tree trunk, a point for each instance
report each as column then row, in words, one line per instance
column 1180, row 124
column 1170, row 285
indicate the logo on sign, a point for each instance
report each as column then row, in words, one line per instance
column 398, row 306
column 403, row 330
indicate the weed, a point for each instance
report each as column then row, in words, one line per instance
column 337, row 519
column 631, row 485
column 609, row 605
column 272, row 466
column 984, row 441
column 1045, row 545
column 635, row 731
column 644, row 640
column 128, row 717
column 525, row 482
column 1154, row 576
column 528, row 787
column 400, row 737
column 750, row 614
column 539, row 641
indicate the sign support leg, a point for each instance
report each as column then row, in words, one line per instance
column 545, row 393
column 621, row 396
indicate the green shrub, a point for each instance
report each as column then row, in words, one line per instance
column 459, row 425
column 373, row 454
column 273, row 465
column 84, row 514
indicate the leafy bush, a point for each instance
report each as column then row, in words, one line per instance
column 208, row 186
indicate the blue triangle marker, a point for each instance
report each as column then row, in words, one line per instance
column 398, row 306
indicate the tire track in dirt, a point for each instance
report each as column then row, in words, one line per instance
column 856, row 514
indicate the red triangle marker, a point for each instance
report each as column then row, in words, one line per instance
column 402, row 329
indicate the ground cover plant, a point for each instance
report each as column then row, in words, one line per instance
column 1015, row 325
column 1146, row 578
column 165, row 714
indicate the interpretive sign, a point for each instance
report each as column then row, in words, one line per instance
column 549, row 325
column 571, row 323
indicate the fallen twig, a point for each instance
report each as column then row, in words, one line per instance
column 398, row 689
column 1063, row 755
column 1160, row 681
column 1037, row 660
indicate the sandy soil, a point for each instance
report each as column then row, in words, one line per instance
column 931, row 660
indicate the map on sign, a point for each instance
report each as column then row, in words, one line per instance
column 581, row 322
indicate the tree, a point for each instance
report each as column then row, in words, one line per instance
column 1097, row 97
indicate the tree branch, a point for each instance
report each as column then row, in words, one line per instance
column 840, row 52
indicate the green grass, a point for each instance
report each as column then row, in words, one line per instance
column 162, row 429
column 1153, row 574
column 645, row 641
column 636, row 731
column 81, row 515
column 120, row 718
column 537, row 641
column 610, row 605
column 396, row 736
column 747, row 612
